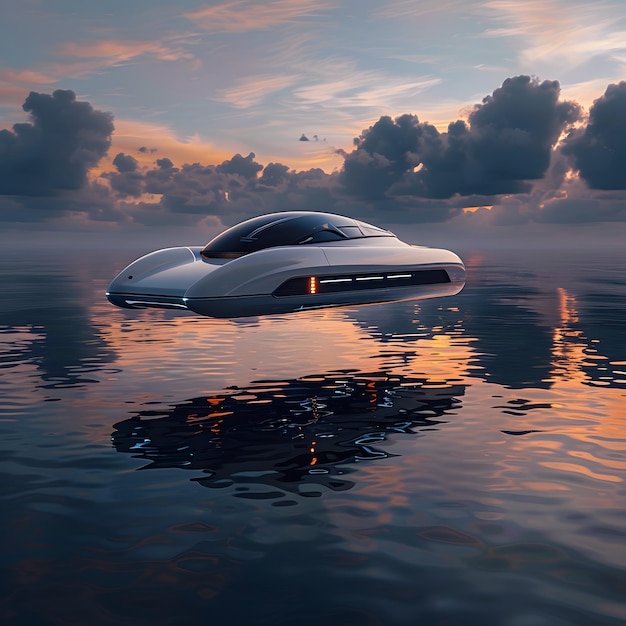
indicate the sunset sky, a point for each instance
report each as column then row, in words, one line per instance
column 129, row 115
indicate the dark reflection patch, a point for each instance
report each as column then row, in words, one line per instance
column 275, row 437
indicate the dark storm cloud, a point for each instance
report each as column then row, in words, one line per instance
column 599, row 150
column 507, row 143
column 55, row 150
column 165, row 163
column 401, row 170
column 125, row 163
column 274, row 174
column 192, row 191
column 242, row 166
column 236, row 189
column 514, row 130
column 385, row 153
column 127, row 181
column 191, row 188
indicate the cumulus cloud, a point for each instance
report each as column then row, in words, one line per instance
column 384, row 154
column 246, row 167
column 64, row 139
column 235, row 189
column 274, row 175
column 599, row 150
column 509, row 155
column 506, row 143
column 231, row 191
column 127, row 181
column 125, row 162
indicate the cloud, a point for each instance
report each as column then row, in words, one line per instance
column 274, row 175
column 558, row 32
column 252, row 91
column 358, row 90
column 599, row 150
column 240, row 16
column 165, row 164
column 13, row 84
column 127, row 181
column 112, row 52
column 131, row 137
column 233, row 190
column 125, row 162
column 507, row 143
column 560, row 197
column 63, row 141
column 192, row 189
column 245, row 167
column 384, row 154
column 508, row 155
column 84, row 59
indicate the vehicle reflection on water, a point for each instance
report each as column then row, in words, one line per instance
column 510, row 512
column 288, row 434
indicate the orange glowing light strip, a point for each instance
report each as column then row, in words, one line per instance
column 312, row 285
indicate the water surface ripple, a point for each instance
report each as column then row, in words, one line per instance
column 457, row 461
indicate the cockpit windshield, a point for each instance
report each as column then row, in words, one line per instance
column 287, row 229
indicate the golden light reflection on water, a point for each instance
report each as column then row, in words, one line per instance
column 156, row 351
column 235, row 352
column 481, row 433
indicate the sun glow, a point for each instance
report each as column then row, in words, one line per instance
column 473, row 209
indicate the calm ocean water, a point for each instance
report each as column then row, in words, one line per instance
column 459, row 461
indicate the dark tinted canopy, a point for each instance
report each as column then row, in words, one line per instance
column 287, row 229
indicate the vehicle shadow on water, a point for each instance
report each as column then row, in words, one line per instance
column 275, row 437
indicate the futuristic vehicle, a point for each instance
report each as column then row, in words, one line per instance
column 285, row 262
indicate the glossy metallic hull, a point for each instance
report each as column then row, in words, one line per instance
column 287, row 278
